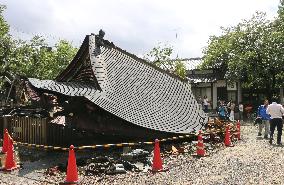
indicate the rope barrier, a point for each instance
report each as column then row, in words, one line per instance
column 105, row 146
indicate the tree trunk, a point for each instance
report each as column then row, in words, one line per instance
column 268, row 92
column 273, row 83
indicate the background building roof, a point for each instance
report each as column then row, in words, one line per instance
column 191, row 63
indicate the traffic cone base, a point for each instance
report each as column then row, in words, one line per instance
column 10, row 169
column 69, row 183
column 196, row 155
column 162, row 170
column 199, row 156
column 231, row 145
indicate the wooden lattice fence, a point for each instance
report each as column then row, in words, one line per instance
column 38, row 131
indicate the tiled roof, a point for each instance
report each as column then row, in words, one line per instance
column 201, row 79
column 195, row 75
column 191, row 63
column 129, row 88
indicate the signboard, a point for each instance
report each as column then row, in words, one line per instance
column 232, row 86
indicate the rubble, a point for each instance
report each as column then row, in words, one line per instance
column 52, row 171
column 116, row 169
column 135, row 155
column 136, row 160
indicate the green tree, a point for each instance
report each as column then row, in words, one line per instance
column 33, row 58
column 5, row 40
column 64, row 52
column 161, row 57
column 251, row 52
column 36, row 59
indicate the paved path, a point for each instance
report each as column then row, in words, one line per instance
column 251, row 161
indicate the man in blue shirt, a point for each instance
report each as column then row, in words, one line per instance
column 261, row 113
column 222, row 112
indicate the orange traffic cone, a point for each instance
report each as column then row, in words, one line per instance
column 72, row 174
column 10, row 163
column 11, row 139
column 200, row 151
column 239, row 130
column 5, row 142
column 228, row 137
column 157, row 165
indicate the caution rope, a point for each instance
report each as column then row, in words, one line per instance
column 58, row 148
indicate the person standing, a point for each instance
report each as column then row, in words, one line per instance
column 205, row 104
column 222, row 112
column 200, row 102
column 275, row 111
column 265, row 118
column 241, row 111
column 229, row 106
column 232, row 111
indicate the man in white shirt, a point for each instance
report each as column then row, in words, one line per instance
column 276, row 112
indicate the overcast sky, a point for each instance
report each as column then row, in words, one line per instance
column 134, row 25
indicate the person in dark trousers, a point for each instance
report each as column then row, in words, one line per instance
column 205, row 104
column 276, row 112
column 261, row 113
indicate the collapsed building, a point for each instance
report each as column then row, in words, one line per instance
column 108, row 91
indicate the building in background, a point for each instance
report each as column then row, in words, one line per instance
column 211, row 83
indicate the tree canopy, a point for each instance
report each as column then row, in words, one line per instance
column 161, row 57
column 252, row 52
column 33, row 58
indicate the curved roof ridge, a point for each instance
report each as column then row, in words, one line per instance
column 61, row 76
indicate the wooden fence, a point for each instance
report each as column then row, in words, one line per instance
column 36, row 131
column 29, row 130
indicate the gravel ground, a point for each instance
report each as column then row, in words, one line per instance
column 251, row 161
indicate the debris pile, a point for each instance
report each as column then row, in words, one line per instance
column 136, row 160
column 52, row 171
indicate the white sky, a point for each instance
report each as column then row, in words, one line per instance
column 134, row 25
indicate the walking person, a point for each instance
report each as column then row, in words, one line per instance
column 265, row 119
column 276, row 112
